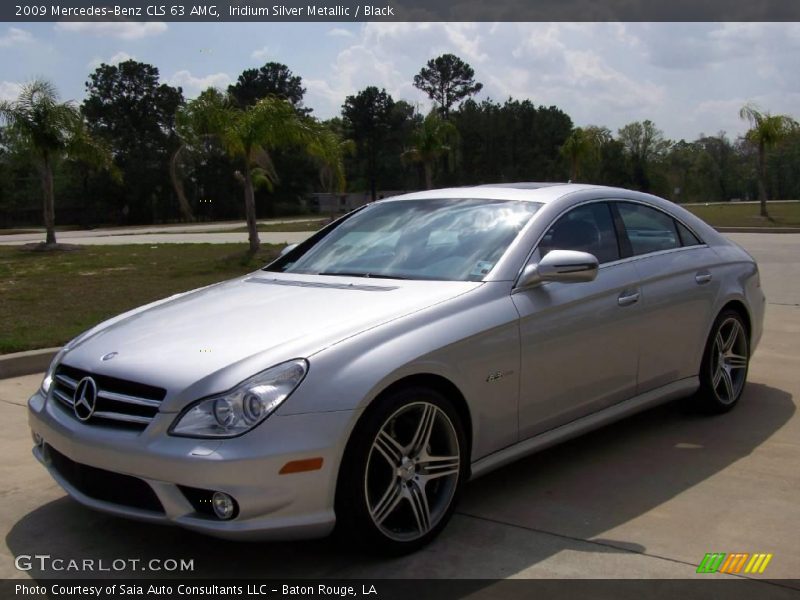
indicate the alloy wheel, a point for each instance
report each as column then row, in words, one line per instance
column 412, row 471
column 729, row 359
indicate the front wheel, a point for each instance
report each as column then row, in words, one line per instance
column 403, row 472
column 725, row 363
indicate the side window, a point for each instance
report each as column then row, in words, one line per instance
column 687, row 237
column 648, row 229
column 588, row 228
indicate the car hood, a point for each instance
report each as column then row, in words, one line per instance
column 216, row 336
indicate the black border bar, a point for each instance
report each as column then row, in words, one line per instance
column 400, row 10
column 733, row 588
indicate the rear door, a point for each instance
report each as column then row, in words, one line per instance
column 678, row 286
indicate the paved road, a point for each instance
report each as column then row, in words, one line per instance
column 739, row 202
column 227, row 237
column 647, row 497
column 214, row 233
column 778, row 256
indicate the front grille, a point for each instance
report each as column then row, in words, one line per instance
column 104, row 485
column 119, row 402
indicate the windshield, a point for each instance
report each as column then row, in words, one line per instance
column 442, row 239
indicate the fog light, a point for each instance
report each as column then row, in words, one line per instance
column 37, row 439
column 223, row 504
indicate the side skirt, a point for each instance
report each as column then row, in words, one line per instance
column 672, row 391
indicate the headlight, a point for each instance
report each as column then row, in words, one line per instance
column 47, row 382
column 239, row 410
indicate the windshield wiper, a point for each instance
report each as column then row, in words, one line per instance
column 362, row 274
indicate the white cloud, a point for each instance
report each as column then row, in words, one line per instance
column 783, row 37
column 686, row 77
column 388, row 55
column 583, row 68
column 261, row 54
column 340, row 32
column 193, row 85
column 9, row 90
column 117, row 58
column 398, row 39
column 353, row 69
column 14, row 37
column 542, row 50
column 690, row 46
column 125, row 30
column 602, row 84
column 723, row 114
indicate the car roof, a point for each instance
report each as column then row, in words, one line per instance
column 550, row 193
column 530, row 191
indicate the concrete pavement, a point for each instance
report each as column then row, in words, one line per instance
column 214, row 233
column 778, row 257
column 154, row 239
column 646, row 497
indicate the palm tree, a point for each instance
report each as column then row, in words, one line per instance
column 328, row 150
column 177, row 182
column 582, row 145
column 48, row 130
column 197, row 124
column 766, row 130
column 249, row 134
column 433, row 139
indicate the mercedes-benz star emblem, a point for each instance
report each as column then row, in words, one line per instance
column 85, row 399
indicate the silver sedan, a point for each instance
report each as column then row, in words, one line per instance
column 363, row 377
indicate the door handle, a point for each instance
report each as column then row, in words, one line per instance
column 703, row 277
column 628, row 297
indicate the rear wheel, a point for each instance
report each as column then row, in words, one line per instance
column 403, row 472
column 725, row 363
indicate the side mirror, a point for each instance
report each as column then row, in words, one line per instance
column 566, row 266
column 288, row 249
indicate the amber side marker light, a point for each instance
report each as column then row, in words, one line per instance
column 300, row 466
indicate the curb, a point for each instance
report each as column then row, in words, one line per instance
column 758, row 229
column 26, row 363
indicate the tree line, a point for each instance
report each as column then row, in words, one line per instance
column 137, row 151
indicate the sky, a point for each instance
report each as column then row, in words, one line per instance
column 689, row 78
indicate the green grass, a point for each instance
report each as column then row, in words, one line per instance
column 50, row 297
column 783, row 214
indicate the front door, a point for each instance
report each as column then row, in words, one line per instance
column 579, row 341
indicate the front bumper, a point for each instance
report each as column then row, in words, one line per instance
column 271, row 505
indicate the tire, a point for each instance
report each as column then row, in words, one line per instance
column 402, row 473
column 726, row 359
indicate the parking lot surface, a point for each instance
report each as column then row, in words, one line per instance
column 644, row 498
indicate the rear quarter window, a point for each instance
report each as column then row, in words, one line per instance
column 649, row 230
column 686, row 236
